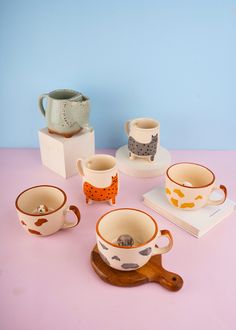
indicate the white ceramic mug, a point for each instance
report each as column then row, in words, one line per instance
column 100, row 178
column 144, row 137
column 42, row 210
column 140, row 227
column 189, row 186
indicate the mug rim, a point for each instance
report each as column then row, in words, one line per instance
column 181, row 185
column 127, row 247
column 39, row 215
column 100, row 171
column 60, row 90
column 146, row 129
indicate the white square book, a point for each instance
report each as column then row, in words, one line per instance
column 196, row 222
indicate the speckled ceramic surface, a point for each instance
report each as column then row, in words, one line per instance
column 66, row 112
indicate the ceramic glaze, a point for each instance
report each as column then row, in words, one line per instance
column 138, row 225
column 50, row 221
column 143, row 149
column 144, row 138
column 100, row 178
column 189, row 186
column 67, row 111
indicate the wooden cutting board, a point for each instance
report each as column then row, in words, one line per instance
column 151, row 272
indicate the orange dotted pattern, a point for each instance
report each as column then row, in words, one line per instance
column 102, row 194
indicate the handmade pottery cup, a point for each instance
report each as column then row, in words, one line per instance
column 133, row 223
column 144, row 138
column 42, row 210
column 100, row 178
column 67, row 111
column 189, row 186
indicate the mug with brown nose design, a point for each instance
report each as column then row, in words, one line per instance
column 189, row 186
column 42, row 210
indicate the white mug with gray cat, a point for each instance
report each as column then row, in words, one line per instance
column 144, row 138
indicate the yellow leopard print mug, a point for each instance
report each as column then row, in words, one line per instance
column 189, row 186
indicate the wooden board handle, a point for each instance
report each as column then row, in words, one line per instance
column 169, row 280
column 222, row 199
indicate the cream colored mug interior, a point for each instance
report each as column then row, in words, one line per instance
column 190, row 174
column 101, row 163
column 139, row 225
column 29, row 200
column 146, row 123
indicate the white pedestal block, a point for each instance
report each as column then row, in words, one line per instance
column 142, row 167
column 61, row 154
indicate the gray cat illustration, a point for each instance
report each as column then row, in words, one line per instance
column 143, row 149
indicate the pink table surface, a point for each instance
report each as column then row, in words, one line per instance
column 48, row 282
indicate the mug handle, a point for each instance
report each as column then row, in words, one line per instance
column 220, row 201
column 76, row 211
column 40, row 103
column 127, row 128
column 166, row 248
column 80, row 167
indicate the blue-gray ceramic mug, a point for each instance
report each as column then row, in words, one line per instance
column 66, row 112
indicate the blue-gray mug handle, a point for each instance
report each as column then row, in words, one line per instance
column 40, row 103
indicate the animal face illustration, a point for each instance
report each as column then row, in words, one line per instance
column 115, row 179
column 125, row 240
column 154, row 138
column 41, row 209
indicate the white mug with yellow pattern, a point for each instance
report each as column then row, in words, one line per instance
column 189, row 186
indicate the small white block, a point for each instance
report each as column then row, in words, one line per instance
column 61, row 154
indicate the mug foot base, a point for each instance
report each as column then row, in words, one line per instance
column 149, row 158
column 91, row 201
column 65, row 135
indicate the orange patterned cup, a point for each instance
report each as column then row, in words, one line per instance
column 189, row 186
column 42, row 210
column 100, row 178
